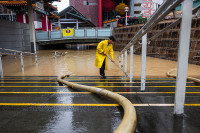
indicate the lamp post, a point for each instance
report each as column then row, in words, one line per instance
column 117, row 19
column 126, row 10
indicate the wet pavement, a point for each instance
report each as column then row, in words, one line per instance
column 81, row 63
column 39, row 104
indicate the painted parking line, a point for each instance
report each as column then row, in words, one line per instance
column 73, row 105
column 91, row 92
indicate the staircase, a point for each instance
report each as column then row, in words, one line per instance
column 41, row 104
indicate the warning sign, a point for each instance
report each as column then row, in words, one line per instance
column 68, row 32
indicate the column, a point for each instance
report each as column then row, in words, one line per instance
column 131, row 63
column 99, row 13
column 183, row 54
column 44, row 23
column 21, row 18
column 143, row 68
column 31, row 26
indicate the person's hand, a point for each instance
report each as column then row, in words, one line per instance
column 104, row 53
column 112, row 60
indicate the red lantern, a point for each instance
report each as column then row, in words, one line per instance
column 108, row 5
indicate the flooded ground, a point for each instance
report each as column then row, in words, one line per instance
column 81, row 63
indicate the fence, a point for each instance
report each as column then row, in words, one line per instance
column 74, row 33
column 11, row 52
column 184, row 40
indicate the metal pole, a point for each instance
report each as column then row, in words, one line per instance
column 183, row 57
column 36, row 61
column 76, row 24
column 22, row 63
column 126, row 18
column 131, row 63
column 1, row 67
column 96, row 32
column 49, row 34
column 85, row 32
column 122, row 61
column 125, row 69
column 118, row 67
column 143, row 68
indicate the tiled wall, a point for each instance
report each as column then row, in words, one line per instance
column 14, row 35
column 166, row 45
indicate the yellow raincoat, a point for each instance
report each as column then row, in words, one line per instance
column 102, row 47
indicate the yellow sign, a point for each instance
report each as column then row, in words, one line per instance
column 68, row 32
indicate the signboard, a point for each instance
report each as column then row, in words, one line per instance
column 147, row 8
column 40, row 5
column 68, row 32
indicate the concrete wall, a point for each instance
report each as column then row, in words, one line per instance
column 166, row 45
column 14, row 35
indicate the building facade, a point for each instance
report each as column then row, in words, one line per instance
column 88, row 8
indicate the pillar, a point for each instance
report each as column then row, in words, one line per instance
column 183, row 54
column 21, row 17
column 31, row 26
column 44, row 23
column 99, row 13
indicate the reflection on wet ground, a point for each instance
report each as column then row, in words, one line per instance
column 33, row 100
column 40, row 104
column 81, row 63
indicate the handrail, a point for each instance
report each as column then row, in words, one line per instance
column 17, row 51
column 129, row 120
column 167, row 28
column 156, row 17
column 173, row 24
column 169, row 74
column 21, row 54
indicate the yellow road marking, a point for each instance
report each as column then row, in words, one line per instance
column 91, row 92
column 27, row 82
column 62, row 104
column 85, row 79
column 140, row 86
column 102, row 86
column 127, row 82
column 53, row 104
column 117, row 79
column 33, row 86
column 45, row 92
column 88, row 82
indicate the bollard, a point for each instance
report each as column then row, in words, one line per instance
column 22, row 63
column 36, row 61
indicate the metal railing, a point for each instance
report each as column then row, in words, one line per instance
column 160, row 14
column 76, row 34
column 11, row 52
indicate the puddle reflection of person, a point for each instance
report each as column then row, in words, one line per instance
column 104, row 48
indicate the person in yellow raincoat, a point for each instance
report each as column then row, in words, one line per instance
column 104, row 48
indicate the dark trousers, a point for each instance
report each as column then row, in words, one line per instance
column 102, row 69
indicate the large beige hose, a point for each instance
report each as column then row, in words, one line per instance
column 169, row 74
column 129, row 120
